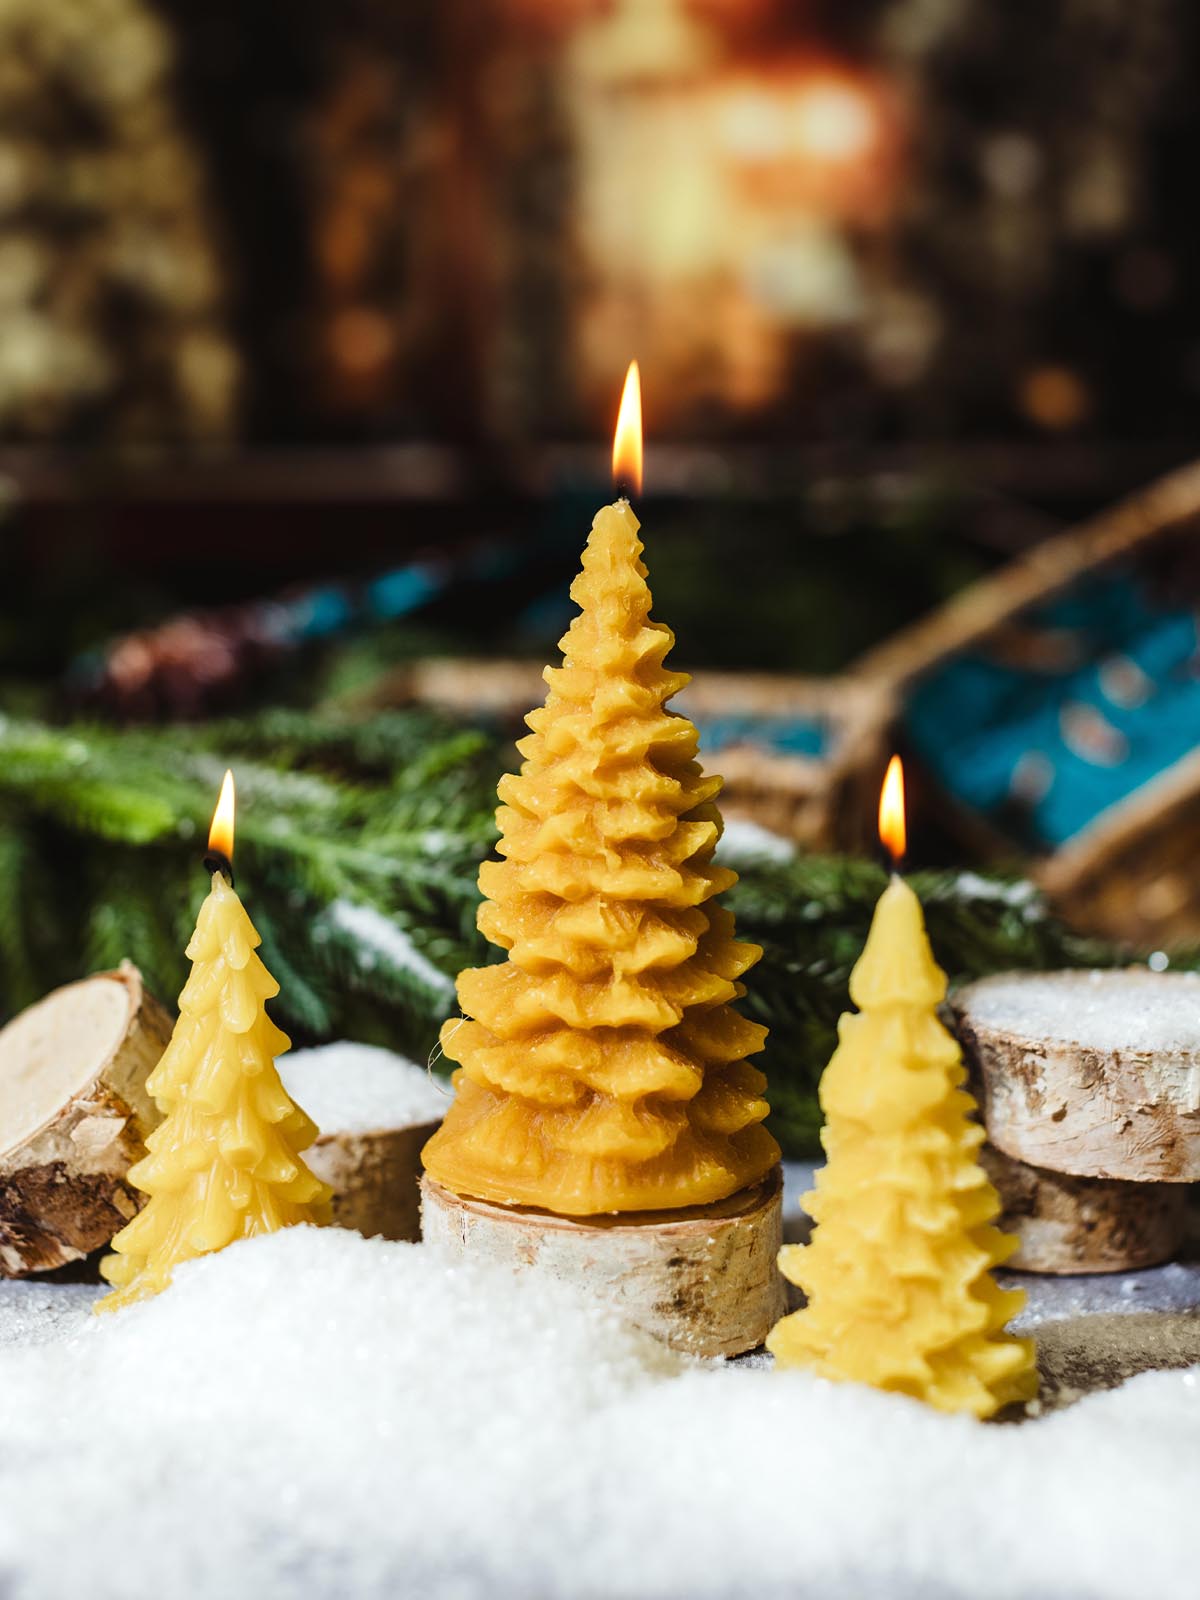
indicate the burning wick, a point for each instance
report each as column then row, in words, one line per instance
column 627, row 438
column 892, row 828
column 219, row 855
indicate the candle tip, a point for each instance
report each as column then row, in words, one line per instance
column 216, row 861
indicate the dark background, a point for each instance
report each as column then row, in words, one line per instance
column 291, row 291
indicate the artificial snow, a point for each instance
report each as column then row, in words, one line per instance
column 311, row 1414
column 358, row 1088
column 1020, row 893
column 1128, row 1009
column 383, row 943
column 744, row 843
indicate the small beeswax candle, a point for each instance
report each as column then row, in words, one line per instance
column 898, row 1280
column 603, row 1067
column 225, row 1161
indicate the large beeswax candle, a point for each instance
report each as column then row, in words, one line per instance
column 898, row 1273
column 603, row 1067
column 225, row 1161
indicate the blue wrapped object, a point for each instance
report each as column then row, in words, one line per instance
column 1045, row 746
column 782, row 736
column 406, row 589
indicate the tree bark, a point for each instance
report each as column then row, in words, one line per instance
column 74, row 1114
column 1067, row 1226
column 1130, row 1113
column 702, row 1280
column 375, row 1179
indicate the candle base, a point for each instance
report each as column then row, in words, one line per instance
column 702, row 1280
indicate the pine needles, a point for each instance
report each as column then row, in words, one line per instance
column 358, row 845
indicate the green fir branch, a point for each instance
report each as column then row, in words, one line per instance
column 387, row 818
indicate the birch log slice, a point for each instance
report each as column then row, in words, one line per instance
column 1096, row 1074
column 1066, row 1226
column 74, row 1113
column 375, row 1179
column 702, row 1280
column 376, row 1112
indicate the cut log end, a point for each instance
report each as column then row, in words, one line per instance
column 74, row 1113
column 1067, row 1226
column 1080, row 1104
column 375, row 1178
column 703, row 1281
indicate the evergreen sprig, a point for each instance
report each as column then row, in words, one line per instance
column 358, row 847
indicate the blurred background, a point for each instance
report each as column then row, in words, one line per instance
column 287, row 288
column 313, row 321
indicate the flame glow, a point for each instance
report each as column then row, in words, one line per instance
column 891, row 811
column 627, row 440
column 835, row 120
column 220, row 835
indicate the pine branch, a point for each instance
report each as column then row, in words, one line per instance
column 101, row 835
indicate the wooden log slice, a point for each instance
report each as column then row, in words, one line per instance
column 74, row 1113
column 1067, row 1226
column 1096, row 1074
column 375, row 1178
column 702, row 1280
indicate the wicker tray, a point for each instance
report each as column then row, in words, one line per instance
column 1131, row 872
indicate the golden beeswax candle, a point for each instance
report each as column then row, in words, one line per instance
column 603, row 1067
column 225, row 1161
column 897, row 1276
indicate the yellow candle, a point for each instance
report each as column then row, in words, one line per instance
column 603, row 1067
column 225, row 1161
column 898, row 1273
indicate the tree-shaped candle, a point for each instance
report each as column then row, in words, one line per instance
column 225, row 1161
column 603, row 1067
column 898, row 1273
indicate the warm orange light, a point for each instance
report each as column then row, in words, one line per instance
column 627, row 440
column 220, row 835
column 835, row 120
column 891, row 811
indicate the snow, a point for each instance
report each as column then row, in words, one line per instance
column 381, row 940
column 1174, row 1288
column 1128, row 1009
column 311, row 1414
column 1021, row 893
column 746, row 843
column 358, row 1088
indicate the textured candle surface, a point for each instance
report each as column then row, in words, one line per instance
column 898, row 1280
column 602, row 1066
column 225, row 1161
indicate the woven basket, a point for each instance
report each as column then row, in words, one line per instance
column 1132, row 872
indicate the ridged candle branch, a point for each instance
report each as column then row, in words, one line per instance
column 603, row 1067
column 225, row 1161
column 898, row 1274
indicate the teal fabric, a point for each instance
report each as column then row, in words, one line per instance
column 978, row 722
column 781, row 736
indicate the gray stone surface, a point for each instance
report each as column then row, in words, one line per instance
column 1174, row 1288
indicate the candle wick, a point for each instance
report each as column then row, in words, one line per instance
column 218, row 861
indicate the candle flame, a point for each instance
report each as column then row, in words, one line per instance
column 627, row 440
column 892, row 828
column 220, row 835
